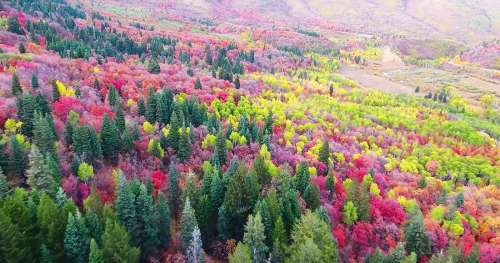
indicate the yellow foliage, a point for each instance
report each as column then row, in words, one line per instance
column 148, row 127
column 63, row 91
column 11, row 126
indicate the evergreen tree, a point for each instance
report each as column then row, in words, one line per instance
column 184, row 145
column 350, row 213
column 310, row 235
column 220, row 148
column 164, row 106
column 113, row 97
column 86, row 145
column 141, row 108
column 45, row 255
column 15, row 86
column 237, row 82
column 110, row 140
column 396, row 255
column 39, row 177
column 95, row 255
column 14, row 26
column 416, row 239
column 279, row 238
column 51, row 222
column 197, row 84
column 116, row 245
column 164, row 221
column 119, row 119
column 174, row 135
column 311, row 196
column 195, row 252
column 324, row 153
column 12, row 247
column 330, row 183
column 174, row 190
column 22, row 48
column 301, row 177
column 188, row 225
column 76, row 239
column 149, row 220
column 55, row 92
column 4, row 185
column 208, row 55
column 261, row 170
column 43, row 135
column 254, row 237
column 125, row 207
column 34, row 82
column 241, row 254
column 151, row 104
column 268, row 124
column 17, row 160
column 153, row 66
column 26, row 112
column 262, row 208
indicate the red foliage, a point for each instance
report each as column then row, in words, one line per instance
column 362, row 238
column 339, row 233
column 62, row 107
column 159, row 180
column 388, row 209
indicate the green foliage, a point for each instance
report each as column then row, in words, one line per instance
column 164, row 220
column 76, row 239
column 241, row 254
column 151, row 106
column 174, row 190
column 188, row 224
column 95, row 255
column 15, row 86
column 116, row 244
column 85, row 171
column 86, row 144
column 417, row 240
column 174, row 135
column 220, row 148
column 254, row 237
column 110, row 140
column 4, row 185
column 324, row 153
column 349, row 214
column 311, row 196
column 51, row 221
column 301, row 177
column 39, row 176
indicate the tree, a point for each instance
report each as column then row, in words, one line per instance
column 26, row 113
column 151, row 104
column 330, row 183
column 174, row 190
column 311, row 234
column 237, row 82
column 22, row 48
column 4, row 185
column 188, row 225
column 261, row 170
column 376, row 257
column 149, row 221
column 86, row 145
column 43, row 134
column 396, row 255
column 197, row 84
column 164, row 220
column 311, row 196
column 153, row 66
column 76, row 239
column 116, row 244
column 301, row 177
column 324, row 153
column 12, row 246
column 14, row 26
column 125, row 206
column 95, row 255
column 195, row 252
column 220, row 148
column 17, row 160
column 15, row 86
column 184, row 145
column 349, row 214
column 254, row 237
column 34, row 82
column 141, row 108
column 113, row 97
column 39, row 177
column 51, row 222
column 110, row 140
column 416, row 238
column 241, row 254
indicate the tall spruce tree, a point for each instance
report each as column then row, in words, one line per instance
column 149, row 222
column 174, row 135
column 141, row 107
column 113, row 97
column 174, row 190
column 151, row 106
column 220, row 148
column 195, row 252
column 184, row 145
column 26, row 113
column 324, row 153
column 125, row 207
column 164, row 220
column 255, row 238
column 417, row 240
column 95, row 255
column 15, row 86
column 34, row 82
column 51, row 222
column 43, row 134
column 116, row 244
column 188, row 224
column 4, row 185
column 110, row 140
column 76, row 239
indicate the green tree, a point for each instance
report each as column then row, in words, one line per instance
column 15, row 86
column 301, row 177
column 86, row 144
column 110, row 140
column 311, row 196
column 116, row 244
column 164, row 222
column 14, row 26
column 4, row 185
column 220, row 148
column 237, row 83
column 164, row 107
column 261, row 170
column 34, row 82
column 125, row 206
column 255, row 238
column 113, row 97
column 417, row 240
column 12, row 246
column 184, row 145
column 43, row 134
column 95, row 255
column 141, row 107
column 76, row 239
column 39, row 177
column 119, row 119
column 188, row 224
column 149, row 221
column 197, row 84
column 350, row 213
column 241, row 254
column 396, row 255
column 151, row 106
column 174, row 135
column 51, row 222
column 17, row 160
column 279, row 238
column 26, row 113
column 330, row 184
column 324, row 153
column 153, row 66
column 311, row 234
column 195, row 252
column 174, row 190
column 22, row 48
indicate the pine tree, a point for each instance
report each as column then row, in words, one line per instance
column 34, row 82
column 174, row 190
column 311, row 196
column 262, row 208
column 237, row 82
column 255, row 238
column 241, row 254
column 76, row 239
column 55, row 92
column 174, row 135
column 164, row 222
column 12, row 246
column 116, row 244
column 324, row 153
column 330, row 183
column 22, row 48
column 301, row 177
column 125, row 207
column 416, row 239
column 119, row 119
column 396, row 255
column 164, row 107
column 4, row 185
column 261, row 170
column 95, row 255
column 15, row 86
column 195, row 252
column 39, row 177
column 17, row 160
column 184, row 145
column 149, row 220
column 310, row 235
column 14, row 26
column 110, row 140
column 51, row 222
column 113, row 97
column 153, row 66
column 220, row 148
column 197, row 84
column 26, row 112
column 188, row 225
column 279, row 238
column 45, row 255
column 141, row 108
column 86, row 145
column 43, row 135
column 151, row 109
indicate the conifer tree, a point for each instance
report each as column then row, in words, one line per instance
column 149, row 221
column 141, row 107
column 51, row 222
column 164, row 107
column 279, row 238
column 237, row 82
column 184, row 145
column 43, row 135
column 17, row 160
column 324, row 153
column 301, row 177
column 330, row 183
column 110, row 140
column 116, row 244
column 261, row 170
column 174, row 135
column 26, row 113
column 22, row 48
column 350, row 213
column 153, row 66
column 188, row 224
column 417, row 240
column 151, row 106
column 113, row 97
column 39, row 177
column 255, row 238
column 95, row 255
column 119, row 119
column 311, row 196
column 174, row 190
column 55, row 92
column 220, row 148
column 76, row 239
column 15, row 86
column 4, row 185
column 34, row 82
column 164, row 221
column 125, row 207
column 12, row 246
column 195, row 252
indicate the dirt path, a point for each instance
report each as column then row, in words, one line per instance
column 371, row 81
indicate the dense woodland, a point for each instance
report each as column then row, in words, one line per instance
column 122, row 143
